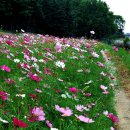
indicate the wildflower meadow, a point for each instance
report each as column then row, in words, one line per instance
column 52, row 83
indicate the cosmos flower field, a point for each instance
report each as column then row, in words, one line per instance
column 51, row 83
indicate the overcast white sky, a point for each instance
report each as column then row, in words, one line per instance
column 121, row 7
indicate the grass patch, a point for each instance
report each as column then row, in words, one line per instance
column 122, row 62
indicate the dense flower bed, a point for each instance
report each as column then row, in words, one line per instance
column 54, row 83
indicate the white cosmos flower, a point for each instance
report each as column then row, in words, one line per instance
column 54, row 129
column 94, row 54
column 80, row 70
column 105, row 113
column 112, row 128
column 83, row 50
column 90, row 81
column 73, row 57
column 35, row 65
column 16, row 60
column 63, row 96
column 60, row 64
column 20, row 95
column 66, row 45
column 4, row 121
column 102, row 73
column 82, row 57
column 92, row 32
column 11, row 54
column 41, row 60
column 31, row 51
column 67, row 94
column 22, row 30
column 60, row 80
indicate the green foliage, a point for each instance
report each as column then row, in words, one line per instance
column 61, row 17
column 126, row 40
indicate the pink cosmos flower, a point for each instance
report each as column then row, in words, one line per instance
column 26, row 57
column 3, row 95
column 38, row 90
column 113, row 117
column 6, row 68
column 73, row 89
column 33, row 59
column 88, row 45
column 10, row 81
column 25, row 65
column 49, row 124
column 37, row 114
column 65, row 111
column 115, row 48
column 47, row 71
column 80, row 108
column 6, row 51
column 1, row 40
column 9, row 42
column 100, row 64
column 105, row 92
column 104, row 88
column 88, row 94
column 94, row 54
column 84, row 119
column 34, row 77
column 26, row 51
column 58, row 47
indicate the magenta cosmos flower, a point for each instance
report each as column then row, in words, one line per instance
column 65, row 111
column 36, row 114
column 3, row 95
column 74, row 90
column 113, row 117
column 19, row 123
column 5, row 68
column 115, row 48
column 9, row 42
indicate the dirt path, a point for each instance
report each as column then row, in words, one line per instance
column 123, row 110
column 122, row 99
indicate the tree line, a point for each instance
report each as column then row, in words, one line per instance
column 60, row 17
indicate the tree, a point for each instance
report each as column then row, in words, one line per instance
column 95, row 15
column 120, row 22
column 60, row 17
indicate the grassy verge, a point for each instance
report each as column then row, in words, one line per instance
column 122, row 62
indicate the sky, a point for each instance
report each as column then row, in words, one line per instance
column 121, row 7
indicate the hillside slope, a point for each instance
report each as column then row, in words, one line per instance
column 47, row 82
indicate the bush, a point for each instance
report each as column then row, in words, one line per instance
column 126, row 43
column 126, row 40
